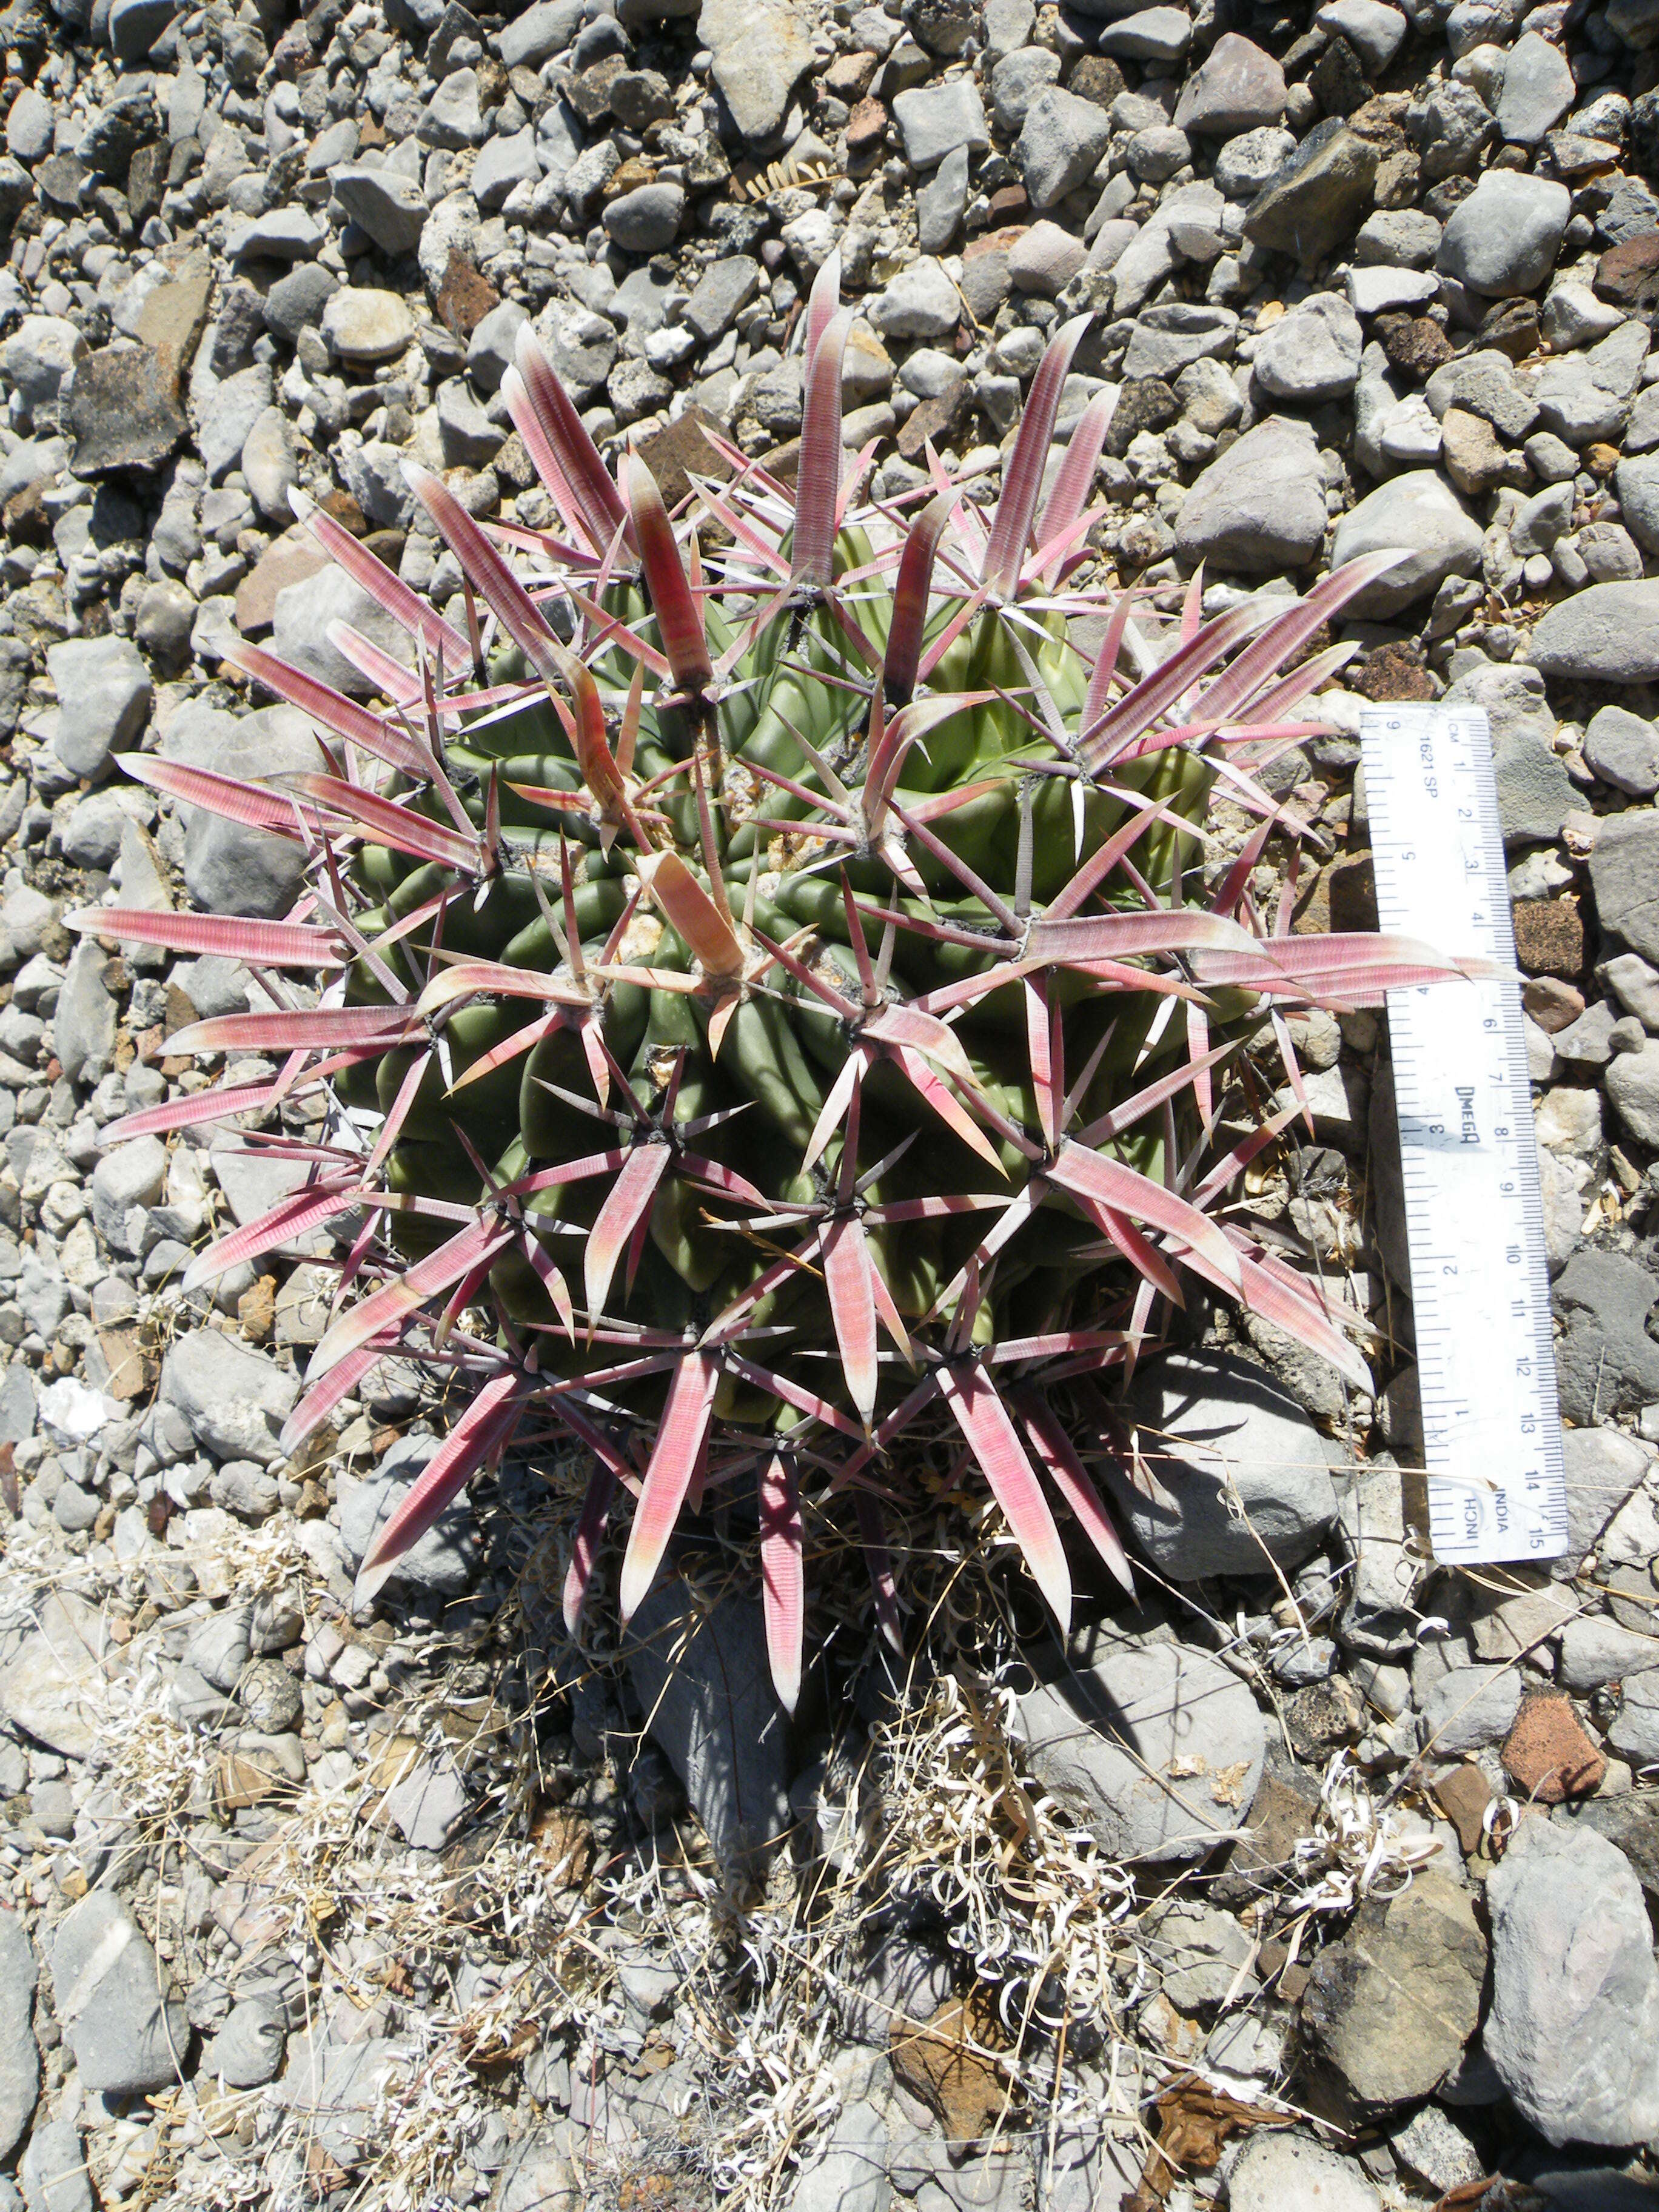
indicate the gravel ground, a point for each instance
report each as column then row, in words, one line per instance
column 1322, row 1878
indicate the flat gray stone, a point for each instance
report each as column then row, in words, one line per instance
column 1623, row 748
column 761, row 49
column 1608, row 633
column 1313, row 353
column 1259, row 508
column 1502, row 240
column 104, row 694
column 50, row 1685
column 385, row 204
column 234, row 1399
column 1218, row 1435
column 1537, row 91
column 19, row 2060
column 1421, row 513
column 1574, row 2025
column 53, row 2170
column 937, row 119
column 1059, row 144
column 444, row 1561
column 1237, row 87
column 1279, row 2173
column 1470, row 1707
column 1159, row 1749
column 116, row 2002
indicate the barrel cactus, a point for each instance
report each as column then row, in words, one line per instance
column 765, row 987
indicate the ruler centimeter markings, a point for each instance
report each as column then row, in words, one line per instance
column 1474, row 1220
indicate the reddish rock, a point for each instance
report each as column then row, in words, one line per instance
column 1097, row 78
column 1415, row 344
column 293, row 557
column 464, row 297
column 848, row 76
column 670, row 452
column 866, row 129
column 931, row 420
column 1548, row 1754
column 1343, row 896
column 1628, row 274
column 1395, row 670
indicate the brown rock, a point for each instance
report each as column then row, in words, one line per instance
column 1549, row 937
column 256, row 1310
column 1415, row 344
column 1552, row 1004
column 1547, row 1753
column 1282, row 1813
column 1474, row 456
column 628, row 177
column 124, row 411
column 938, row 2063
column 345, row 510
column 174, row 316
column 1098, row 78
column 1600, row 459
column 1628, row 274
column 589, row 90
column 1511, row 327
column 670, row 453
column 147, row 177
column 1323, row 1715
column 1388, row 2010
column 26, row 520
column 1343, row 896
column 984, row 280
column 1008, row 202
column 848, row 76
column 866, row 129
column 931, row 420
column 1463, row 1796
column 464, row 297
column 1395, row 670
column 247, row 1777
column 293, row 557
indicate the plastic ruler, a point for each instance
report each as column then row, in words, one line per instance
column 1480, row 1295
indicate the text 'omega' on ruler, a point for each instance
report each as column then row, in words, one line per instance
column 1480, row 1285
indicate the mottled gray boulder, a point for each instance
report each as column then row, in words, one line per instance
column 1259, row 507
column 1420, row 513
column 104, row 694
column 1608, row 633
column 1237, row 87
column 1058, row 145
column 761, row 49
column 1159, row 1748
column 116, row 2002
column 1245, row 1475
column 229, row 868
column 1574, row 2027
column 19, row 2061
column 1502, row 240
column 234, row 1399
column 386, row 205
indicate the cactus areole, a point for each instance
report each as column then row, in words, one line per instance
column 760, row 977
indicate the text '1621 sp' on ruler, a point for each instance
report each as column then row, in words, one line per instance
column 1480, row 1285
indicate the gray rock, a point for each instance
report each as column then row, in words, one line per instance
column 247, row 2050
column 1542, row 521
column 116, row 2002
column 941, row 118
column 364, row 327
column 1158, row 1748
column 295, row 302
column 270, row 466
column 1237, row 87
column 84, row 1024
column 646, row 221
column 940, row 204
column 131, row 1177
column 1502, row 240
column 230, row 412
column 234, row 1399
column 1421, row 513
column 1584, row 397
column 444, row 1561
column 1313, row 353
column 507, row 161
column 53, row 2170
column 1389, row 2009
column 1169, row 338
column 19, row 2061
column 1608, row 633
column 538, row 2177
column 1624, row 865
column 104, row 694
column 38, row 354
column 1632, row 1087
column 340, row 2090
column 1635, row 1732
column 1538, row 90
column 428, row 1804
column 1468, row 1708
column 848, row 2173
column 1374, row 30
column 1216, row 1435
column 385, row 204
column 702, row 1680
column 303, row 615
column 1607, row 1364
column 1397, row 238
column 228, row 868
column 721, row 296
column 1574, row 2025
column 920, row 302
column 1248, row 163
column 49, row 1686
column 897, row 1978
column 1278, row 2173
column 467, row 435
column 453, row 118
column 761, row 49
column 1452, row 124
column 1157, row 35
column 541, row 31
column 1623, row 748
column 1059, row 144
column 29, row 121
column 1260, row 507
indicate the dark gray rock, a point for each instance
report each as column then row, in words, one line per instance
column 1624, row 865
column 1608, row 633
column 1259, row 508
column 444, row 1561
column 704, row 1684
column 1318, row 199
column 1607, row 1364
